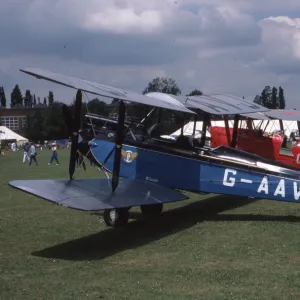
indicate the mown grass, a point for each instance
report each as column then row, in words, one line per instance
column 209, row 247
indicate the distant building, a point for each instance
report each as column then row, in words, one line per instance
column 16, row 118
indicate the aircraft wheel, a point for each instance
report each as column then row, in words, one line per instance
column 116, row 217
column 152, row 210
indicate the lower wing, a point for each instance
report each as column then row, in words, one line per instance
column 96, row 194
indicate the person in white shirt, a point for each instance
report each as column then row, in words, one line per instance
column 54, row 155
column 33, row 154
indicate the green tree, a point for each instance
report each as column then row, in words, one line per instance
column 28, row 99
column 167, row 119
column 163, row 85
column 271, row 98
column 265, row 98
column 195, row 93
column 50, row 98
column 36, row 129
column 34, row 100
column 274, row 100
column 16, row 98
column 38, row 100
column 281, row 98
column 45, row 101
column 257, row 100
column 47, row 124
column 97, row 106
column 54, row 123
column 2, row 97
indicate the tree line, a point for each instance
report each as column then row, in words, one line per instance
column 29, row 100
column 272, row 98
column 48, row 123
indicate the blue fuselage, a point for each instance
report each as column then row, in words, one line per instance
column 197, row 174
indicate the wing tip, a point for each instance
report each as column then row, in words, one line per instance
column 13, row 182
column 30, row 72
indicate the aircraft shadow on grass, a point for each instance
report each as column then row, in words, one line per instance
column 137, row 233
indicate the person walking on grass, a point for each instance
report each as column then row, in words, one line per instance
column 33, row 155
column 54, row 155
column 26, row 148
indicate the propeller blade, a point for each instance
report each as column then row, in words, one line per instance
column 77, row 117
column 118, row 147
column 75, row 134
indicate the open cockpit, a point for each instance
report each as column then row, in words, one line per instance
column 190, row 145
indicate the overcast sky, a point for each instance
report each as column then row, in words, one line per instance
column 217, row 46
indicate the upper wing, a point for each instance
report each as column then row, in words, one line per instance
column 284, row 114
column 256, row 116
column 219, row 104
column 278, row 114
column 104, row 90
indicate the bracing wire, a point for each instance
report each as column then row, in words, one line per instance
column 87, row 109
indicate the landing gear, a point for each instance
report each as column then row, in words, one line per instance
column 119, row 217
column 152, row 210
column 116, row 217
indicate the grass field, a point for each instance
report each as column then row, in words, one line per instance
column 209, row 247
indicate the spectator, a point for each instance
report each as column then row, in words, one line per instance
column 33, row 155
column 26, row 148
column 54, row 155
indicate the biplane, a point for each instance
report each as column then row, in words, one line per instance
column 272, row 134
column 148, row 170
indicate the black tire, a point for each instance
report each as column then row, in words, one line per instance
column 116, row 217
column 152, row 210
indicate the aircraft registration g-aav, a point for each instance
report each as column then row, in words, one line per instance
column 154, row 169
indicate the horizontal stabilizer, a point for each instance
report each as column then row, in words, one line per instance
column 96, row 194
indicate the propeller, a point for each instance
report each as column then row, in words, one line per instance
column 118, row 148
column 73, row 126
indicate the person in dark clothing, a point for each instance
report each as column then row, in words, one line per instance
column 26, row 148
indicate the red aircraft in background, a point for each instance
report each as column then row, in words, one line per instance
column 273, row 134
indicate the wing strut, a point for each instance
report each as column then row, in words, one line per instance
column 118, row 148
column 206, row 121
column 235, row 131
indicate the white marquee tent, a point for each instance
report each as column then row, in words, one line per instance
column 8, row 135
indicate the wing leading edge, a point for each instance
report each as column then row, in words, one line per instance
column 95, row 194
column 277, row 114
column 104, row 90
column 222, row 104
column 284, row 114
column 216, row 104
